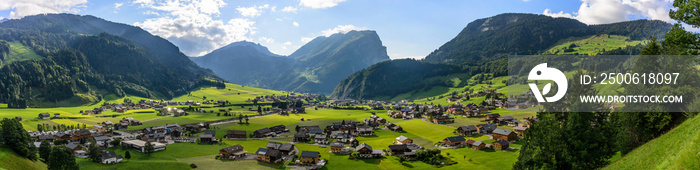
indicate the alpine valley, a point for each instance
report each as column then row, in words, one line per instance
column 316, row 67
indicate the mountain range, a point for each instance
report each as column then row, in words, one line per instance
column 316, row 67
column 80, row 59
column 480, row 45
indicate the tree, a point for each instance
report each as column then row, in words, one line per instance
column 259, row 109
column 148, row 149
column 127, row 155
column 687, row 12
column 61, row 159
column 94, row 152
column 240, row 118
column 116, row 142
column 15, row 137
column 45, row 150
column 40, row 127
column 561, row 140
column 246, row 119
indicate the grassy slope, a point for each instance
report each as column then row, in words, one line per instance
column 72, row 116
column 12, row 161
column 677, row 149
column 19, row 52
column 593, row 44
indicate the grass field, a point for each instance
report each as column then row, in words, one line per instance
column 11, row 161
column 19, row 52
column 593, row 45
column 677, row 149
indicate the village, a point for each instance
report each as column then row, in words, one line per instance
column 342, row 137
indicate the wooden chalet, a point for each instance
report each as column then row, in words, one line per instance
column 237, row 134
column 500, row 144
column 232, row 152
column 454, row 140
column 402, row 140
column 309, row 157
column 467, row 130
column 336, row 147
column 505, row 135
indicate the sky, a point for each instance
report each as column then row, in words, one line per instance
column 408, row 28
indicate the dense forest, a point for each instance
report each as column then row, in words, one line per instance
column 85, row 67
column 527, row 34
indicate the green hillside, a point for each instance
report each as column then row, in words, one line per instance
column 677, row 149
column 18, row 52
column 593, row 45
column 11, row 161
column 236, row 94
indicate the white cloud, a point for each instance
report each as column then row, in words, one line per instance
column 290, row 9
column 190, row 25
column 320, row 3
column 296, row 24
column 22, row 8
column 117, row 5
column 266, row 40
column 306, row 39
column 341, row 29
column 609, row 11
column 287, row 43
column 273, row 9
column 253, row 11
column 149, row 12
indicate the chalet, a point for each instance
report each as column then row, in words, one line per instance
column 394, row 127
column 285, row 149
column 402, row 140
column 454, row 140
column 74, row 147
column 109, row 157
column 456, row 109
column 98, row 128
column 232, row 152
column 492, row 116
column 365, row 130
column 504, row 119
column 514, row 123
column 320, row 139
column 56, row 115
column 140, row 145
column 309, row 157
column 264, row 132
column 176, row 131
column 279, row 129
column 486, row 128
column 478, row 145
column 301, row 137
column 300, row 110
column 18, row 118
column 520, row 130
column 397, row 150
column 500, row 144
column 61, row 135
column 381, row 120
column 107, row 123
column 82, row 133
column 443, row 119
column 209, row 136
column 45, row 137
column 153, row 137
column 120, row 109
column 467, row 130
column 365, row 151
column 238, row 134
column 130, row 121
column 268, row 155
column 353, row 142
column 102, row 140
column 504, row 134
column 336, row 147
column 121, row 126
column 80, row 154
column 44, row 116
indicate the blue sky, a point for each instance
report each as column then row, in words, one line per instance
column 408, row 28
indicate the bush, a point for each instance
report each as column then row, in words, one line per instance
column 193, row 166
